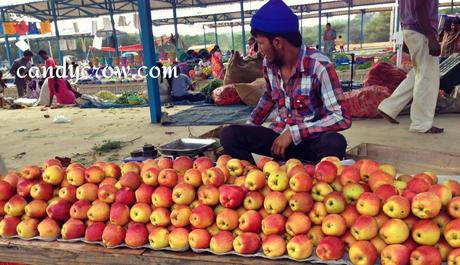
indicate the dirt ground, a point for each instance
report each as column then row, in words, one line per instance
column 27, row 137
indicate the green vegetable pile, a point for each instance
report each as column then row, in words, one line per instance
column 364, row 66
column 342, row 68
column 131, row 98
column 207, row 90
column 106, row 96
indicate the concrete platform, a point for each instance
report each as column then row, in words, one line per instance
column 380, row 132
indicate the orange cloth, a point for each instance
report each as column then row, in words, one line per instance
column 9, row 28
column 45, row 27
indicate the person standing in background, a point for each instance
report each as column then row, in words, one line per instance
column 216, row 63
column 19, row 70
column 48, row 61
column 329, row 40
column 419, row 20
column 341, row 44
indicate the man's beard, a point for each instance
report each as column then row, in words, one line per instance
column 276, row 58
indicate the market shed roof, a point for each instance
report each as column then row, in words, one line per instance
column 72, row 9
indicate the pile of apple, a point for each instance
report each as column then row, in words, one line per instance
column 291, row 209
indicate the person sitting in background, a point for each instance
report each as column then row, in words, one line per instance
column 451, row 39
column 216, row 63
column 91, row 70
column 181, row 86
column 203, row 67
column 61, row 88
column 341, row 43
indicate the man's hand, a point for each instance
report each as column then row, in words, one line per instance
column 434, row 47
column 281, row 143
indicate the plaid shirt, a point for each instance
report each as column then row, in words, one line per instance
column 310, row 103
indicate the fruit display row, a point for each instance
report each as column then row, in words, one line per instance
column 327, row 211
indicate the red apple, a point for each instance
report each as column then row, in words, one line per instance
column 6, row 191
column 136, row 235
column 94, row 231
column 326, row 171
column 126, row 196
column 202, row 163
column 231, row 196
column 330, row 248
column 246, row 243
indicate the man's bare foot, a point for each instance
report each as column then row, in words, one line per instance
column 435, row 130
column 386, row 117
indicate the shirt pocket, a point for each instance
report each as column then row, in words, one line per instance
column 301, row 98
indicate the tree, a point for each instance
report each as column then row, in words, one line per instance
column 378, row 28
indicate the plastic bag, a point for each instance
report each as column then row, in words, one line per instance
column 385, row 74
column 226, row 95
column 61, row 119
column 363, row 103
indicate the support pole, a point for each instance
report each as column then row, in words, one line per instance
column 362, row 28
column 452, row 6
column 7, row 43
column 216, row 38
column 233, row 37
column 114, row 30
column 319, row 24
column 301, row 21
column 153, row 89
column 19, row 52
column 204, row 36
column 51, row 50
column 176, row 31
column 243, row 33
column 397, row 16
column 348, row 26
column 56, row 29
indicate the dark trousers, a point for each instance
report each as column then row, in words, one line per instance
column 193, row 97
column 239, row 141
column 21, row 88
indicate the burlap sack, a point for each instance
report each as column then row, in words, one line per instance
column 241, row 70
column 251, row 93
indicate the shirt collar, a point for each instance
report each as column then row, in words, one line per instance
column 300, row 59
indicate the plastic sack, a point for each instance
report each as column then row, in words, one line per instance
column 385, row 74
column 226, row 95
column 363, row 103
column 61, row 119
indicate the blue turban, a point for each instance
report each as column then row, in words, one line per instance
column 275, row 17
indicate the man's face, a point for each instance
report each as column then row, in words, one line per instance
column 267, row 49
column 454, row 26
column 27, row 58
column 43, row 56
